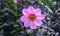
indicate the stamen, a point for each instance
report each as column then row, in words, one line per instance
column 32, row 17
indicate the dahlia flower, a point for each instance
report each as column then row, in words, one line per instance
column 32, row 17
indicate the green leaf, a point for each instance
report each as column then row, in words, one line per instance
column 12, row 12
column 1, row 26
column 12, row 4
column 10, row 1
column 16, row 29
column 49, row 3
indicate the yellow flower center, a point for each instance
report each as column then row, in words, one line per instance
column 32, row 17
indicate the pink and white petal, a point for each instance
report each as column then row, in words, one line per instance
column 25, row 12
column 24, row 19
column 26, row 24
column 32, row 25
column 41, row 17
column 37, row 12
column 30, row 9
column 15, row 1
column 38, row 22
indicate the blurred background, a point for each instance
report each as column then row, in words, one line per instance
column 10, row 12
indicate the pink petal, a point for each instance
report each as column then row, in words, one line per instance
column 24, row 19
column 41, row 17
column 38, row 22
column 15, row 1
column 37, row 12
column 26, row 24
column 25, row 12
column 30, row 9
column 32, row 25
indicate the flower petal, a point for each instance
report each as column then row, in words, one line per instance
column 24, row 19
column 25, row 12
column 32, row 25
column 26, row 24
column 30, row 9
column 37, row 12
column 38, row 22
column 15, row 1
column 41, row 17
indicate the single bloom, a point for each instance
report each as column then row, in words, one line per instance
column 15, row 1
column 32, row 17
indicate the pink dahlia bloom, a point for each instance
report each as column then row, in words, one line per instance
column 15, row 1
column 32, row 17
